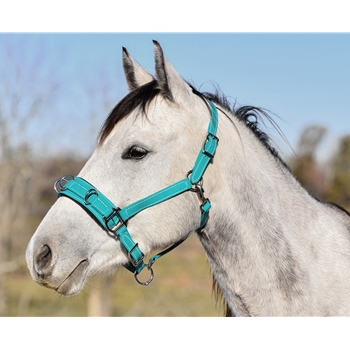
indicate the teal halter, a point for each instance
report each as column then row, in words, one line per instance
column 114, row 220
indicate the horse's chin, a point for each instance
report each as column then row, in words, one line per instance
column 75, row 282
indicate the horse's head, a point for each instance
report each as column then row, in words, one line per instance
column 149, row 141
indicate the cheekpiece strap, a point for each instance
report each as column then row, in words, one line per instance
column 208, row 150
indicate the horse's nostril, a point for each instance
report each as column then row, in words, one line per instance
column 43, row 259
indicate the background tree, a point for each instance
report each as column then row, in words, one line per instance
column 25, row 91
column 339, row 189
column 305, row 166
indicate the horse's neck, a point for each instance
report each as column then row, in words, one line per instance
column 257, row 211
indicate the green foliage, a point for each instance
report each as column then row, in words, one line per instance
column 305, row 166
column 339, row 191
column 330, row 181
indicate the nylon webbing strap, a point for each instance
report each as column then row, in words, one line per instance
column 207, row 152
column 104, row 211
column 115, row 220
column 158, row 197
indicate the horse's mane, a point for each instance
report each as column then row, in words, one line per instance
column 141, row 97
column 250, row 116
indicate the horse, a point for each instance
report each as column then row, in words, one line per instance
column 171, row 161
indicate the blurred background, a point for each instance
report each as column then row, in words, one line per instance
column 53, row 84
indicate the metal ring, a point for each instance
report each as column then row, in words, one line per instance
column 149, row 280
column 59, row 183
column 88, row 194
column 196, row 187
column 200, row 182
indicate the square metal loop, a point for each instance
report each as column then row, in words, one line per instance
column 213, row 141
column 137, row 262
column 121, row 222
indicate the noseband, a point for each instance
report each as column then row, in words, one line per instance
column 114, row 220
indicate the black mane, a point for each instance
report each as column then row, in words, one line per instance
column 250, row 116
column 141, row 97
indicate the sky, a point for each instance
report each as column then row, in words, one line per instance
column 302, row 78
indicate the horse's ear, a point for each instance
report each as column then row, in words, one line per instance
column 134, row 73
column 169, row 80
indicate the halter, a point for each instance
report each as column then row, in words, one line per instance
column 114, row 220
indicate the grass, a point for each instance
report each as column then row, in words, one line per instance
column 181, row 287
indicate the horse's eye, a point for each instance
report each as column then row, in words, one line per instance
column 135, row 152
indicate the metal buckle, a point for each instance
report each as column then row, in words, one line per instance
column 215, row 139
column 137, row 262
column 116, row 227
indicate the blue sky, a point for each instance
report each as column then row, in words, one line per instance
column 303, row 78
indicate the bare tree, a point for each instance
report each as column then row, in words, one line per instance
column 309, row 140
column 25, row 91
column 339, row 188
column 305, row 166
